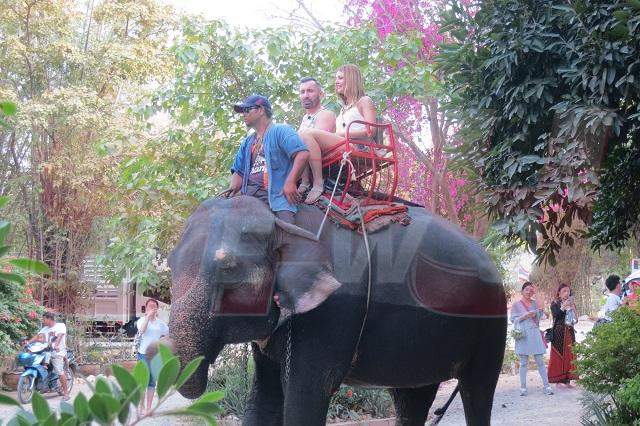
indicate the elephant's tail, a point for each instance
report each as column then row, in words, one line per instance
column 439, row 413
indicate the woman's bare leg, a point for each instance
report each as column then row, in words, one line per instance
column 325, row 140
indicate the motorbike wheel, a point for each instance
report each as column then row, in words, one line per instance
column 70, row 378
column 25, row 391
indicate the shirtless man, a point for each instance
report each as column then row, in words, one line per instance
column 315, row 116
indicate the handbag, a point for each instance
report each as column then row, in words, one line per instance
column 136, row 343
column 517, row 333
column 548, row 334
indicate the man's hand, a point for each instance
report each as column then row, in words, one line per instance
column 290, row 191
column 228, row 193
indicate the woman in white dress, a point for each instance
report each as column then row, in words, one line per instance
column 356, row 106
column 525, row 316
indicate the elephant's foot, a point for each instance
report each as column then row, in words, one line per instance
column 412, row 405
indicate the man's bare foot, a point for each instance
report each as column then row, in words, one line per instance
column 304, row 187
column 314, row 194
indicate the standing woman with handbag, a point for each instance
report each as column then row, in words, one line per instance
column 525, row 316
column 150, row 329
column 561, row 368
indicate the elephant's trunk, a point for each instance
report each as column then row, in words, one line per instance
column 191, row 333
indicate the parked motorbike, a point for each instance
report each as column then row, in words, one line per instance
column 37, row 378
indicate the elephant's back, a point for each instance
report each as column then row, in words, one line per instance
column 430, row 263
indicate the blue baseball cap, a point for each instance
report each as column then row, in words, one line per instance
column 252, row 101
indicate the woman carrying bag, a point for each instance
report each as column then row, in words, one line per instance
column 561, row 368
column 525, row 316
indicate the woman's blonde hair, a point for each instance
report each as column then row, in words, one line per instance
column 353, row 84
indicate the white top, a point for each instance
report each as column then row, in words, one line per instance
column 348, row 115
column 155, row 330
column 613, row 302
column 58, row 328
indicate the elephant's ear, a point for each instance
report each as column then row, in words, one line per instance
column 304, row 277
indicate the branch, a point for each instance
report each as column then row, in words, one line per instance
column 311, row 16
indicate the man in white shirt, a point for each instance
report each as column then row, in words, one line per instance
column 613, row 300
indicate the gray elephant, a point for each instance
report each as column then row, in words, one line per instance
column 431, row 307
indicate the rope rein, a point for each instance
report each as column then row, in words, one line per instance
column 347, row 160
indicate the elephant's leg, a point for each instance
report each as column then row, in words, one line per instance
column 412, row 405
column 264, row 406
column 317, row 367
column 306, row 403
column 478, row 383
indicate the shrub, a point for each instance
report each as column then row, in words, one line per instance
column 232, row 373
column 19, row 313
column 350, row 403
column 628, row 398
column 609, row 367
column 611, row 353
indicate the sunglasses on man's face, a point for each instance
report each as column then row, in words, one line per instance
column 244, row 110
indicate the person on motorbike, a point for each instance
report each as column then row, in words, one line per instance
column 55, row 334
column 58, row 339
column 42, row 336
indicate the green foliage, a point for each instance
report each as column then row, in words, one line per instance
column 544, row 91
column 232, row 373
column 629, row 395
column 609, row 365
column 111, row 401
column 19, row 314
column 75, row 68
column 6, row 109
column 610, row 353
column 350, row 403
column 613, row 199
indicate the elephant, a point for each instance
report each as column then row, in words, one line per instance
column 406, row 308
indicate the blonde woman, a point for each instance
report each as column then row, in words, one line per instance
column 356, row 105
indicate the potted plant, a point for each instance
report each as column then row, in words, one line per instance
column 10, row 379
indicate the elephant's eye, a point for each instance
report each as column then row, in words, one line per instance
column 228, row 265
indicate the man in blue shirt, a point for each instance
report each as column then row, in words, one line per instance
column 269, row 161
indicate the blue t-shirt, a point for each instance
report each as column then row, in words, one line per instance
column 281, row 142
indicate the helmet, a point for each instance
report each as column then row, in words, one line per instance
column 25, row 359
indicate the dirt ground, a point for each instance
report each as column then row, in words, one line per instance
column 509, row 408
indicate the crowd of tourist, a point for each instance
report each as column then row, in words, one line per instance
column 530, row 341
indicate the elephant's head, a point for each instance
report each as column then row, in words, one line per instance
column 233, row 255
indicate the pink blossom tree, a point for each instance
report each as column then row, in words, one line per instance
column 422, row 127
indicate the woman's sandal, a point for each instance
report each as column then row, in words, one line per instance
column 314, row 194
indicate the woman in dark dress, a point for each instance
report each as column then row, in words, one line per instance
column 561, row 368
